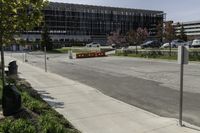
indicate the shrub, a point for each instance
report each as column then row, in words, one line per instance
column 50, row 124
column 33, row 104
column 194, row 56
column 59, row 118
column 152, row 54
column 17, row 126
column 39, row 117
column 5, row 126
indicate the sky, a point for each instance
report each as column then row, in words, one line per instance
column 177, row 10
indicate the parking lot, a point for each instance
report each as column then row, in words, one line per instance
column 152, row 85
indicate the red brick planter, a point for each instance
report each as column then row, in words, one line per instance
column 90, row 55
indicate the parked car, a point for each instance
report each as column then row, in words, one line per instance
column 196, row 43
column 119, row 46
column 176, row 43
column 189, row 44
column 113, row 45
column 166, row 45
column 151, row 44
column 93, row 44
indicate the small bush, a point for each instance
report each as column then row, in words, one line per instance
column 17, row 126
column 152, row 54
column 33, row 104
column 5, row 126
column 194, row 56
column 59, row 118
column 50, row 124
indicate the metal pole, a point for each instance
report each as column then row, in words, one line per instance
column 70, row 54
column 24, row 58
column 45, row 59
column 181, row 87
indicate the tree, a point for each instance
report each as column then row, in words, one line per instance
column 46, row 39
column 17, row 16
column 159, row 29
column 169, row 34
column 182, row 35
column 141, row 36
column 135, row 38
column 117, row 38
column 132, row 38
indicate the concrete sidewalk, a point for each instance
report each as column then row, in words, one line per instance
column 90, row 111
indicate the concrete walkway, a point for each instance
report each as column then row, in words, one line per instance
column 90, row 111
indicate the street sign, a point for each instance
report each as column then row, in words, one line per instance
column 183, row 55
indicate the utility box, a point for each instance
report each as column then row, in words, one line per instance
column 11, row 101
column 183, row 55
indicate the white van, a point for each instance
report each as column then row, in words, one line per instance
column 196, row 43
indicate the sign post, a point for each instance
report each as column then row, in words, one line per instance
column 45, row 59
column 183, row 57
column 70, row 54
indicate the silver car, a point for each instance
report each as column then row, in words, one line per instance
column 176, row 43
column 93, row 44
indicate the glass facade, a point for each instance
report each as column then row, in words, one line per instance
column 94, row 21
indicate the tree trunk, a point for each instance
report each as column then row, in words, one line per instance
column 2, row 50
column 2, row 61
column 170, row 48
column 136, row 50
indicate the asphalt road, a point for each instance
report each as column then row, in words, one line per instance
column 148, row 84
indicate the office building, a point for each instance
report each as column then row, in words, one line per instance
column 191, row 29
column 69, row 23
